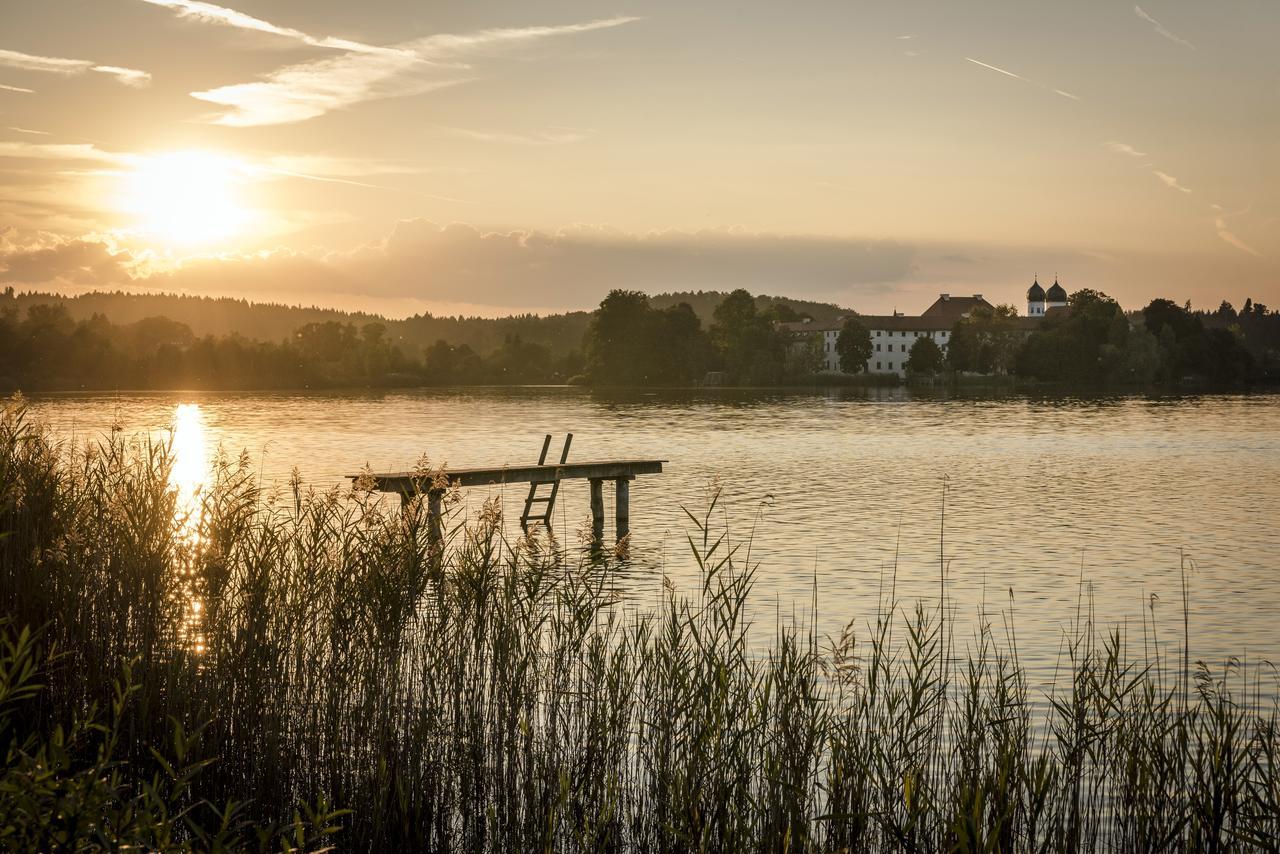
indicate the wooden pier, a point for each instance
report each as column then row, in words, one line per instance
column 596, row 472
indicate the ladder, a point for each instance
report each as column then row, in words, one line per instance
column 548, row 500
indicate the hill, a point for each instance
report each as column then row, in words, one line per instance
column 275, row 322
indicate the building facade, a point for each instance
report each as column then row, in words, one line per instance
column 893, row 335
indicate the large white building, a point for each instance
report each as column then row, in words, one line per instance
column 892, row 335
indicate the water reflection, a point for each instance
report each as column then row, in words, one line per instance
column 189, row 448
column 1042, row 491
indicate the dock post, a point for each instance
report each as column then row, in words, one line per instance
column 434, row 516
column 597, row 509
column 622, row 507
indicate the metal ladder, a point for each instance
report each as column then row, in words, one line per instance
column 548, row 500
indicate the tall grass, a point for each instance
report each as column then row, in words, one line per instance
column 490, row 695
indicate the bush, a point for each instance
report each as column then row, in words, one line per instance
column 66, row 788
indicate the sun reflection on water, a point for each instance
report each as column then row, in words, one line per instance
column 190, row 459
column 189, row 449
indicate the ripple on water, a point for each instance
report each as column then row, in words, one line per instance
column 844, row 486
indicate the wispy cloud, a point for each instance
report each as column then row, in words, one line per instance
column 996, row 68
column 29, row 130
column 212, row 14
column 1170, row 181
column 1007, row 73
column 6, row 88
column 329, row 170
column 127, row 76
column 60, row 151
column 46, row 64
column 310, row 89
column 1124, row 148
column 1160, row 28
column 554, row 136
column 1220, row 225
column 68, row 67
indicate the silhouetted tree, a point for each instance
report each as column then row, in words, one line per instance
column 619, row 344
column 752, row 349
column 853, row 345
column 925, row 358
column 985, row 341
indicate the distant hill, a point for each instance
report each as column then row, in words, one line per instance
column 274, row 322
column 704, row 305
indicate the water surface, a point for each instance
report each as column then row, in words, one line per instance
column 833, row 490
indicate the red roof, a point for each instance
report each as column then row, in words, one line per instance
column 954, row 308
column 940, row 316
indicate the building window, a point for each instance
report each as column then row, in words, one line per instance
column 877, row 366
column 877, row 348
column 877, row 333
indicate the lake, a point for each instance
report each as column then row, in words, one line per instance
column 830, row 489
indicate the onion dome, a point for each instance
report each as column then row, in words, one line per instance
column 1056, row 293
column 1035, row 293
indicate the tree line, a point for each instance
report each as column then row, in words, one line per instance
column 44, row 349
column 634, row 340
column 1095, row 342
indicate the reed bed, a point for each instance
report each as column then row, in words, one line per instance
column 317, row 647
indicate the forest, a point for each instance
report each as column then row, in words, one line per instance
column 631, row 339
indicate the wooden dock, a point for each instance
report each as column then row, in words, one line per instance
column 596, row 472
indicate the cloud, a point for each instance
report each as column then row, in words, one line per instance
column 6, row 88
column 1171, row 182
column 127, row 76
column 68, row 67
column 560, row 136
column 1008, row 73
column 30, row 131
column 60, row 151
column 1124, row 148
column 80, row 262
column 459, row 263
column 1220, row 225
column 46, row 64
column 304, row 91
column 332, row 170
column 209, row 13
column 995, row 68
column 1159, row 28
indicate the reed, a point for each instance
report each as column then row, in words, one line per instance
column 493, row 695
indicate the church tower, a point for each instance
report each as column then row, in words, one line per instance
column 1057, row 296
column 1035, row 299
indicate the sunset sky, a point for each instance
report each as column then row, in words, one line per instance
column 493, row 156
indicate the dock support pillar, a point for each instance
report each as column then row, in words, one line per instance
column 622, row 507
column 435, row 515
column 597, row 509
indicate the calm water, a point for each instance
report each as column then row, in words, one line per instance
column 829, row 486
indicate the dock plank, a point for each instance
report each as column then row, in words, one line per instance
column 600, row 469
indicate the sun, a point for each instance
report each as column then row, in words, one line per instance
column 185, row 198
